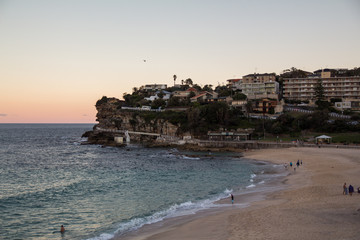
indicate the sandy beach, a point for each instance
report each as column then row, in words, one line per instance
column 311, row 205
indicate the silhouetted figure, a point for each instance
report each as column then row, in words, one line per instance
column 351, row 189
column 345, row 191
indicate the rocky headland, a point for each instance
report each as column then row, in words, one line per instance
column 143, row 126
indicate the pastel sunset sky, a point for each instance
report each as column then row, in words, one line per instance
column 58, row 57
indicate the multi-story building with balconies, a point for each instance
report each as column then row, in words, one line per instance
column 257, row 86
column 303, row 89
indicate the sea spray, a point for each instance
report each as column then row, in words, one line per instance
column 176, row 210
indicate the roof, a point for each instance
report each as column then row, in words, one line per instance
column 323, row 136
column 260, row 74
column 202, row 94
column 197, row 96
column 234, row 80
column 191, row 90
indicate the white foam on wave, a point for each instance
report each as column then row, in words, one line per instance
column 193, row 158
column 104, row 236
column 176, row 210
column 251, row 186
column 252, row 176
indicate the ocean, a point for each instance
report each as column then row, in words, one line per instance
column 48, row 179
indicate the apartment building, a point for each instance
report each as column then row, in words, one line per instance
column 234, row 84
column 256, row 86
column 259, row 78
column 334, row 87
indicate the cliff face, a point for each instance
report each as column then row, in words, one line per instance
column 111, row 117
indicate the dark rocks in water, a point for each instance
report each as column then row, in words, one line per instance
column 101, row 138
column 87, row 134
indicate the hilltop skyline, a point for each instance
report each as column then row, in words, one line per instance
column 59, row 57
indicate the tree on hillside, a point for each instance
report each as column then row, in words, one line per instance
column 293, row 73
column 249, row 107
column 239, row 96
column 320, row 96
column 174, row 102
column 191, row 94
column 157, row 103
column 197, row 87
column 189, row 82
column 161, row 94
column 223, row 91
column 194, row 119
column 101, row 101
column 174, row 78
column 132, row 100
column 207, row 87
column 319, row 90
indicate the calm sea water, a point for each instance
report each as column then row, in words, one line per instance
column 48, row 179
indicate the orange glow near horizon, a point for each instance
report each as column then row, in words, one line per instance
column 58, row 58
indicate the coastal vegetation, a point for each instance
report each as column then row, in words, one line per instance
column 198, row 110
column 199, row 119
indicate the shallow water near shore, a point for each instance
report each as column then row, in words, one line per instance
column 49, row 179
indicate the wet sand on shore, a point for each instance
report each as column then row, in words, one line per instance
column 311, row 205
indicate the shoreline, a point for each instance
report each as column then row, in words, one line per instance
column 309, row 206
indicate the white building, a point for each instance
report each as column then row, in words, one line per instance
column 166, row 96
column 154, row 87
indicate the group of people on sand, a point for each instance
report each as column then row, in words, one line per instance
column 349, row 190
column 298, row 163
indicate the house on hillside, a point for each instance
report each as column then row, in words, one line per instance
column 265, row 106
column 240, row 104
column 186, row 93
column 166, row 96
column 155, row 87
column 204, row 97
column 227, row 99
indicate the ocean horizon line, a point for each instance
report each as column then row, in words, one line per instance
column 48, row 123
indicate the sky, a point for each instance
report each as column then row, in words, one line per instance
column 58, row 57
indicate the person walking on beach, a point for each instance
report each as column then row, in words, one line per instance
column 62, row 229
column 285, row 166
column 351, row 189
column 345, row 189
column 232, row 199
column 290, row 164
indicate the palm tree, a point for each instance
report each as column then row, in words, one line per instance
column 174, row 79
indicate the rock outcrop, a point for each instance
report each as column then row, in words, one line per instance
column 113, row 121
